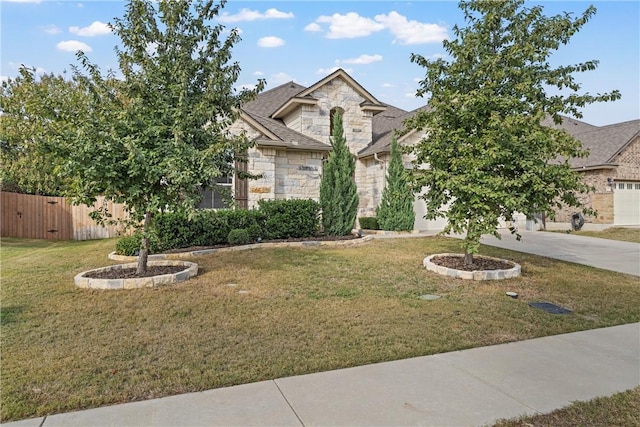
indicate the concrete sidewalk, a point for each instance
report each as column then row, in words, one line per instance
column 623, row 257
column 463, row 388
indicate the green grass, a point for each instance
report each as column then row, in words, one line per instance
column 621, row 409
column 305, row 310
column 623, row 234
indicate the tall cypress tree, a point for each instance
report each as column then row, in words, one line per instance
column 338, row 192
column 395, row 212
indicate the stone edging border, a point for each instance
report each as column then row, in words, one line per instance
column 191, row 270
column 310, row 243
column 473, row 275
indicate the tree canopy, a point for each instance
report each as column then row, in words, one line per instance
column 155, row 136
column 39, row 114
column 488, row 155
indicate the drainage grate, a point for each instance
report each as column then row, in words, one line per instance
column 550, row 308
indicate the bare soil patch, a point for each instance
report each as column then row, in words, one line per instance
column 479, row 263
column 130, row 273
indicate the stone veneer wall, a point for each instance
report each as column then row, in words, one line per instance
column 285, row 174
column 297, row 174
column 315, row 120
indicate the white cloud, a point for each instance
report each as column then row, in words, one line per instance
column 349, row 26
column 254, row 15
column 313, row 27
column 412, row 32
column 258, row 73
column 97, row 28
column 353, row 25
column 363, row 59
column 270, row 41
column 332, row 69
column 73, row 46
column 388, row 85
column 22, row 1
column 51, row 29
column 279, row 78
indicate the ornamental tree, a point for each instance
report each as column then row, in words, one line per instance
column 395, row 212
column 338, row 191
column 488, row 154
column 155, row 136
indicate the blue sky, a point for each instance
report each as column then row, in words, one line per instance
column 305, row 40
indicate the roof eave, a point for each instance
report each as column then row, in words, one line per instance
column 291, row 105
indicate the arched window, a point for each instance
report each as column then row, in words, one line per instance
column 334, row 110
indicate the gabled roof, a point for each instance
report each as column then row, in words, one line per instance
column 305, row 96
column 257, row 113
column 384, row 126
column 605, row 143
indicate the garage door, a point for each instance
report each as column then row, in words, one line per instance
column 626, row 203
column 421, row 224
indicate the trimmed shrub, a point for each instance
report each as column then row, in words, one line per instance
column 238, row 236
column 130, row 245
column 395, row 212
column 282, row 219
column 369, row 223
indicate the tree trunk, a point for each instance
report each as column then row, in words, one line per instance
column 144, row 247
column 468, row 258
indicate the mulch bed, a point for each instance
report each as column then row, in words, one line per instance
column 130, row 273
column 479, row 263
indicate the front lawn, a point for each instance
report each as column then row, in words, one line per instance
column 624, row 234
column 264, row 314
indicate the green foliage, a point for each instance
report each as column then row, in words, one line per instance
column 395, row 212
column 38, row 115
column 369, row 223
column 289, row 218
column 275, row 219
column 157, row 135
column 239, row 236
column 130, row 245
column 489, row 154
column 338, row 192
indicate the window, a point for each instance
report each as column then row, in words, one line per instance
column 333, row 111
column 637, row 186
column 620, row 186
column 218, row 197
column 629, row 186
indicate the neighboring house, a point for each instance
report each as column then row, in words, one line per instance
column 291, row 126
column 612, row 168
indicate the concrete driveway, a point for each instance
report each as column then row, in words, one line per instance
column 623, row 257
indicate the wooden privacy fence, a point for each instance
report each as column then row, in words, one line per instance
column 41, row 217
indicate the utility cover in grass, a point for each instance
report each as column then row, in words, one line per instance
column 550, row 308
column 429, row 297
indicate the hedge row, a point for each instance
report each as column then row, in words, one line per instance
column 274, row 219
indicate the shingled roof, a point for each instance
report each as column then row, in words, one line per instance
column 605, row 143
column 260, row 109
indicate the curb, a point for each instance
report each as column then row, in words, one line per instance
column 473, row 275
column 191, row 270
column 310, row 243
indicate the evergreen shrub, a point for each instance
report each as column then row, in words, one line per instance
column 369, row 223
